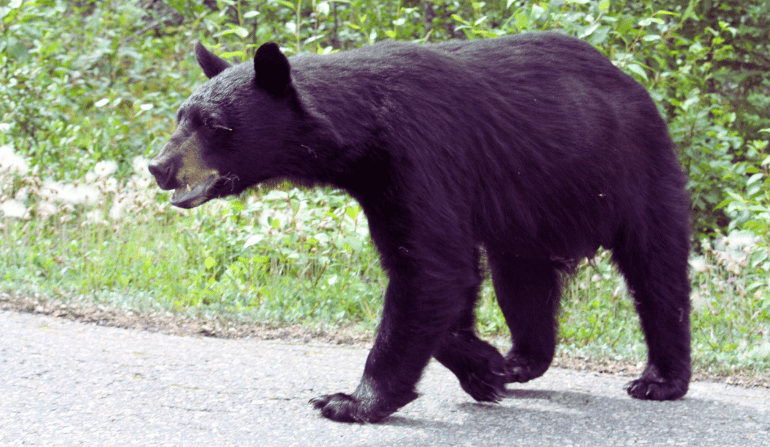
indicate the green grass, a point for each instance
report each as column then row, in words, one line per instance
column 307, row 257
column 292, row 256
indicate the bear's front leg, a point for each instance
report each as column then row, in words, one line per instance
column 413, row 321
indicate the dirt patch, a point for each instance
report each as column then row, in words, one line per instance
column 177, row 324
column 183, row 325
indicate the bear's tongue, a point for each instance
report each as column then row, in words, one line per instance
column 190, row 196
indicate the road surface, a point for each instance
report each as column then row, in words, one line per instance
column 69, row 383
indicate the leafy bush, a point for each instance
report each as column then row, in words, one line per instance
column 69, row 109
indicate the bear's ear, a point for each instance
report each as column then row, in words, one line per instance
column 271, row 69
column 211, row 64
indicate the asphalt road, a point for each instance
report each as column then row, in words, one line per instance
column 69, row 383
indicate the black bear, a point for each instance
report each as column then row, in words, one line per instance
column 533, row 149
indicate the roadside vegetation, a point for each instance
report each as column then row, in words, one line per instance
column 89, row 92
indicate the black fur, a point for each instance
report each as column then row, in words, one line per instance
column 533, row 146
column 272, row 71
column 211, row 64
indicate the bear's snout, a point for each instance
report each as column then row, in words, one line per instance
column 164, row 172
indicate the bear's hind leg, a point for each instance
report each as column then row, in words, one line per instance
column 528, row 292
column 477, row 364
column 656, row 273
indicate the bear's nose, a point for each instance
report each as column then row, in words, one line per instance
column 164, row 173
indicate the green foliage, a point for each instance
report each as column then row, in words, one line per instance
column 748, row 201
column 68, row 108
column 287, row 256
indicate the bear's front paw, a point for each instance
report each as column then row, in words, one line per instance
column 362, row 406
column 341, row 407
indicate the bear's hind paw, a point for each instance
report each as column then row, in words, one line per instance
column 646, row 389
column 654, row 386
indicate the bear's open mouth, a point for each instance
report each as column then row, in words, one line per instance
column 190, row 196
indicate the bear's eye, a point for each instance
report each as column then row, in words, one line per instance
column 212, row 124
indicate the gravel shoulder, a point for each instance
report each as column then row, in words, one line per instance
column 67, row 382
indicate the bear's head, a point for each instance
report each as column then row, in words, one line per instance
column 232, row 131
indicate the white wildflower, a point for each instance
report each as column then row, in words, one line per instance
column 112, row 184
column 13, row 208
column 88, row 194
column 50, row 189
column 75, row 195
column 699, row 301
column 44, row 210
column 105, row 168
column 22, row 194
column 735, row 246
column 141, row 166
column 94, row 217
column 12, row 162
column 68, row 194
column 117, row 211
column 699, row 264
